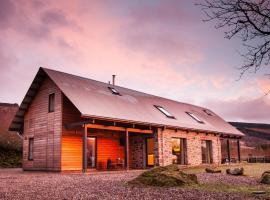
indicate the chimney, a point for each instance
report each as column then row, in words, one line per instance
column 113, row 79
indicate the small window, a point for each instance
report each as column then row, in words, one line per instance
column 51, row 102
column 195, row 117
column 114, row 91
column 30, row 148
column 208, row 112
column 165, row 112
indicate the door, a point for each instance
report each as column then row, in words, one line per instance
column 179, row 151
column 207, row 154
column 150, row 158
column 91, row 152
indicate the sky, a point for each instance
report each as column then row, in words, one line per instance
column 156, row 46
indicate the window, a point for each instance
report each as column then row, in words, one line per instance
column 207, row 154
column 51, row 102
column 208, row 112
column 195, row 117
column 150, row 160
column 114, row 91
column 165, row 112
column 30, row 148
column 179, row 150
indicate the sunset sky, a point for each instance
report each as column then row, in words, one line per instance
column 155, row 46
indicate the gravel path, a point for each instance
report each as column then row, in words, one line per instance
column 227, row 179
column 15, row 184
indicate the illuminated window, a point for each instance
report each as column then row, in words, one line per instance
column 195, row 117
column 165, row 112
column 179, row 150
column 114, row 91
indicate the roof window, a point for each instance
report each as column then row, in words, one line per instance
column 208, row 112
column 165, row 112
column 195, row 117
column 114, row 91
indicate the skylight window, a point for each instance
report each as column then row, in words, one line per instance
column 195, row 117
column 114, row 91
column 208, row 112
column 165, row 112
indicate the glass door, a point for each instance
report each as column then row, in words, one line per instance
column 91, row 152
column 150, row 159
column 207, row 154
column 179, row 150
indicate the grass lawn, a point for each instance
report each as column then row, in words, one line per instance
column 250, row 169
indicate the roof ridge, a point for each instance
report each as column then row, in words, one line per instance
column 188, row 104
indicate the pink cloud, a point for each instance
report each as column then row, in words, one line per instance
column 243, row 109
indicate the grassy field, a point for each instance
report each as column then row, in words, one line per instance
column 254, row 170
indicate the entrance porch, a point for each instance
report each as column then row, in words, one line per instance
column 101, row 147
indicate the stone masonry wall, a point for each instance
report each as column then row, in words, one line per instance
column 194, row 154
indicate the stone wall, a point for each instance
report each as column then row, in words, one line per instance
column 164, row 154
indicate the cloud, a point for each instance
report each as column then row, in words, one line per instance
column 7, row 10
column 243, row 109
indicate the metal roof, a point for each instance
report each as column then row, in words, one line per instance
column 94, row 99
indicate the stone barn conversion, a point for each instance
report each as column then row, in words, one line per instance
column 74, row 123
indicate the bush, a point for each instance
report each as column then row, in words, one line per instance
column 168, row 176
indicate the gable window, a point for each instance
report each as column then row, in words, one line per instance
column 195, row 117
column 30, row 148
column 165, row 112
column 51, row 102
column 114, row 91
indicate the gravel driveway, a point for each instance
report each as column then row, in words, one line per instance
column 16, row 184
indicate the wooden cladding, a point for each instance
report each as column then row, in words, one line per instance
column 71, row 157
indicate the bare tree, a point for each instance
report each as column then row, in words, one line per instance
column 247, row 19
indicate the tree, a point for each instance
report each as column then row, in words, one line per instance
column 247, row 19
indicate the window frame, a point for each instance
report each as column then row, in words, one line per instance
column 193, row 116
column 208, row 112
column 31, row 148
column 164, row 111
column 51, row 100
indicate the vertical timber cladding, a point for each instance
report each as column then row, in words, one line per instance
column 45, row 128
column 194, row 154
column 71, row 148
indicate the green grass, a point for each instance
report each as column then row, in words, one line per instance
column 254, row 170
column 250, row 169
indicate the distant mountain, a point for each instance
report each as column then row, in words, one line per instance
column 256, row 142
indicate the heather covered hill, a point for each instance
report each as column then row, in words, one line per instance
column 10, row 142
column 256, row 143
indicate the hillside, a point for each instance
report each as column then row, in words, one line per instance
column 10, row 142
column 256, row 143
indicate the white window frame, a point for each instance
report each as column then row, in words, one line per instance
column 195, row 117
column 165, row 112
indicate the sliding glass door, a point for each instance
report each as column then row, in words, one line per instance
column 207, row 154
column 179, row 150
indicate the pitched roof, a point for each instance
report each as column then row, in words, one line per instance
column 94, row 99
